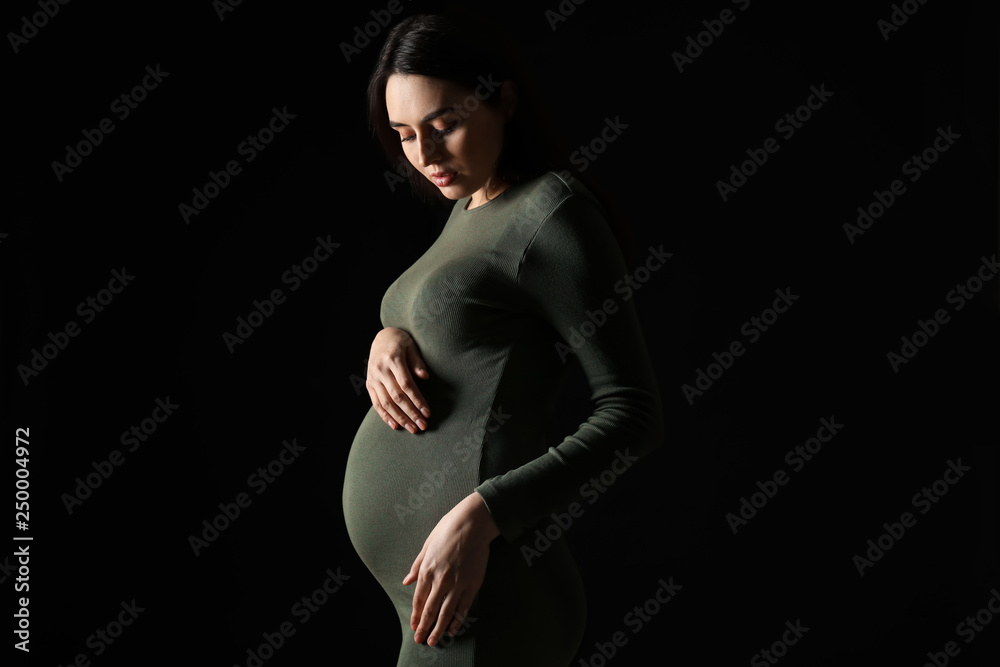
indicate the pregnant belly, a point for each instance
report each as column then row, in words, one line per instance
column 398, row 485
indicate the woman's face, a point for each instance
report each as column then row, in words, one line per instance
column 448, row 134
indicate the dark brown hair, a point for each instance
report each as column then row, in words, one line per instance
column 466, row 50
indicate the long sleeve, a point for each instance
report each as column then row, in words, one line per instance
column 572, row 275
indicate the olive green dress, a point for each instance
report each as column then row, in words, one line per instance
column 507, row 296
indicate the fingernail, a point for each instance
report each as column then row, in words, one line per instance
column 411, row 428
column 422, row 424
column 425, row 412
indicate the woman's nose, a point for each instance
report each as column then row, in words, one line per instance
column 427, row 149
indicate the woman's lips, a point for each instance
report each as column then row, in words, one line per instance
column 444, row 178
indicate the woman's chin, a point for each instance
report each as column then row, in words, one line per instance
column 453, row 193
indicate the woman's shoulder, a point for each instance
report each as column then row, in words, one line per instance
column 553, row 193
column 553, row 185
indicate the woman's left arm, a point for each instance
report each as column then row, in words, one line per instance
column 572, row 269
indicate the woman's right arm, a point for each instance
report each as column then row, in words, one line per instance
column 393, row 361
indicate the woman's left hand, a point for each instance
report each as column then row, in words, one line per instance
column 450, row 569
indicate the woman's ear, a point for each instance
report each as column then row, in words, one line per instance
column 508, row 98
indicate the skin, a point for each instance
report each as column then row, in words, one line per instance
column 395, row 396
column 467, row 140
column 451, row 566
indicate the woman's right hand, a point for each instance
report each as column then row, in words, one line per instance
column 390, row 384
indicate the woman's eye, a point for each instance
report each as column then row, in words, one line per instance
column 437, row 132
column 447, row 130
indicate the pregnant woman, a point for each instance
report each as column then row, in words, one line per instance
column 450, row 473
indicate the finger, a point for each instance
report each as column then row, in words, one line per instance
column 416, row 405
column 414, row 569
column 416, row 362
column 404, row 392
column 378, row 408
column 445, row 617
column 420, row 595
column 418, row 591
column 385, row 400
column 388, row 391
column 431, row 606
column 458, row 621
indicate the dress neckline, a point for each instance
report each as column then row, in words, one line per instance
column 472, row 211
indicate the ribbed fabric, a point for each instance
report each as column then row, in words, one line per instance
column 487, row 304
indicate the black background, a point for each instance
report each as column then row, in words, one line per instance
column 295, row 376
